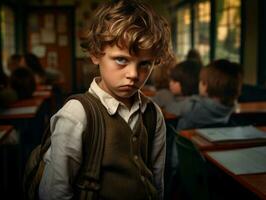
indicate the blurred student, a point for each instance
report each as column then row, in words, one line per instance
column 194, row 55
column 160, row 79
column 184, row 81
column 33, row 63
column 14, row 61
column 7, row 94
column 219, row 88
column 23, row 82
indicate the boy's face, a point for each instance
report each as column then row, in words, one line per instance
column 175, row 87
column 203, row 88
column 123, row 74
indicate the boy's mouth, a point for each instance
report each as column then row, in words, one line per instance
column 128, row 87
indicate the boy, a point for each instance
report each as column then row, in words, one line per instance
column 125, row 39
column 184, row 81
column 219, row 88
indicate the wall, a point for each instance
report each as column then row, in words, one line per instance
column 250, row 54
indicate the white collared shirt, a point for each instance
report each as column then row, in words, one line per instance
column 65, row 154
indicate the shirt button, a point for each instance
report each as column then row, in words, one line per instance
column 134, row 139
column 136, row 157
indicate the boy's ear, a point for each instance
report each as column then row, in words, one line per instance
column 94, row 59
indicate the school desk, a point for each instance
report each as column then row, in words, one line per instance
column 250, row 113
column 203, row 144
column 22, row 109
column 247, row 166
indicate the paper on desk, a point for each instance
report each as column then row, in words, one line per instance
column 231, row 133
column 19, row 111
column 242, row 161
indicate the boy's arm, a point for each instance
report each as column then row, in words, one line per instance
column 63, row 158
column 158, row 152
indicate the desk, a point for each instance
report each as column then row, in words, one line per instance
column 204, row 145
column 253, row 182
column 22, row 109
column 256, row 183
column 250, row 107
column 250, row 113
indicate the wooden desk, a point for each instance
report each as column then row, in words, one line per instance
column 22, row 109
column 253, row 182
column 250, row 107
column 43, row 94
column 203, row 144
column 44, row 87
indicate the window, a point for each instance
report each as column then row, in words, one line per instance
column 7, row 20
column 183, row 44
column 228, row 30
column 201, row 36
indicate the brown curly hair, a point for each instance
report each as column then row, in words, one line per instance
column 128, row 24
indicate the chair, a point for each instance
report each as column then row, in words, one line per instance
column 192, row 170
column 171, row 162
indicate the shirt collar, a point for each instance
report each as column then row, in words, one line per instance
column 111, row 104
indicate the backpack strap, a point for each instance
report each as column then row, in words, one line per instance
column 150, row 120
column 92, row 146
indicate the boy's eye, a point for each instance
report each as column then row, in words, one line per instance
column 146, row 65
column 121, row 60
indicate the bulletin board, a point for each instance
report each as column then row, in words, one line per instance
column 50, row 36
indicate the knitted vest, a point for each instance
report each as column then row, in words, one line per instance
column 124, row 172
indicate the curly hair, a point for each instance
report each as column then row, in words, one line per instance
column 128, row 24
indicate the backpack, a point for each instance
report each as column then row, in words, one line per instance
column 35, row 165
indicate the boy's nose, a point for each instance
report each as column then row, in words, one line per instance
column 132, row 72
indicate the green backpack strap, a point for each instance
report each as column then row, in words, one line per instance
column 150, row 120
column 88, row 178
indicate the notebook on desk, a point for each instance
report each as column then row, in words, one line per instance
column 242, row 161
column 231, row 133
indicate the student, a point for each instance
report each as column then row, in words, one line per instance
column 184, row 81
column 219, row 87
column 194, row 55
column 7, row 94
column 23, row 82
column 34, row 64
column 160, row 79
column 125, row 38
column 14, row 61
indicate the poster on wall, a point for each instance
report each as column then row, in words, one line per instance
column 39, row 50
column 48, row 36
column 33, row 23
column 62, row 40
column 61, row 24
column 35, row 39
column 49, row 21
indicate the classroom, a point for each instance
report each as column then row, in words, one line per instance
column 202, row 68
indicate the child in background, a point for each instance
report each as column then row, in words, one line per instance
column 219, row 88
column 184, row 81
column 34, row 64
column 160, row 79
column 23, row 82
column 14, row 61
column 194, row 55
column 7, row 94
column 126, row 38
